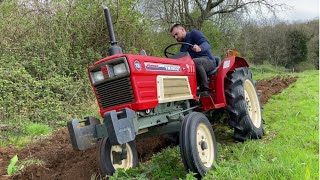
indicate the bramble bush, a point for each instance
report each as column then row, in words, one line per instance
column 45, row 49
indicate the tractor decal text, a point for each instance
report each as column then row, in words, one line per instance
column 162, row 67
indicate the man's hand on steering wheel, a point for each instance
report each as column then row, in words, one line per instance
column 196, row 48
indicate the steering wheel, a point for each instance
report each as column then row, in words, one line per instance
column 167, row 53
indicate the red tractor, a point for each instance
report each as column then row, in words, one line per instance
column 141, row 96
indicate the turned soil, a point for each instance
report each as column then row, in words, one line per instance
column 57, row 160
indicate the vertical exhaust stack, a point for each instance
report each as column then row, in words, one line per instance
column 114, row 49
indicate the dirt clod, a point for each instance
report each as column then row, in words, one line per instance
column 59, row 161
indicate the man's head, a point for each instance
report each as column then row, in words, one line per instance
column 178, row 32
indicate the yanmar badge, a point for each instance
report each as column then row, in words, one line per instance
column 162, row 67
column 137, row 65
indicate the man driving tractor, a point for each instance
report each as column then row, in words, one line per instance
column 200, row 53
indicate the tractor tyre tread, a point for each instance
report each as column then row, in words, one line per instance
column 235, row 97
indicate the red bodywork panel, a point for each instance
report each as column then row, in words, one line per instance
column 144, row 82
column 217, row 98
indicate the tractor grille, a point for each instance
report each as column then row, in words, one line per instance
column 115, row 92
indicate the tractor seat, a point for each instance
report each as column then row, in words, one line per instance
column 218, row 63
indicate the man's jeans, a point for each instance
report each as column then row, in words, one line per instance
column 203, row 66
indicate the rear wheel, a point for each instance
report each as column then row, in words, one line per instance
column 114, row 157
column 243, row 105
column 197, row 144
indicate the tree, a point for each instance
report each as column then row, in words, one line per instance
column 194, row 13
column 313, row 51
column 311, row 29
column 297, row 47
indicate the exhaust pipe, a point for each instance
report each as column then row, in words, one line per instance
column 114, row 49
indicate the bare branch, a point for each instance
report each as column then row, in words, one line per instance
column 186, row 8
column 200, row 6
column 213, row 5
column 231, row 8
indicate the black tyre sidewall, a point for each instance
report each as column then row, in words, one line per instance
column 104, row 157
column 250, row 130
column 181, row 141
column 189, row 143
column 240, row 120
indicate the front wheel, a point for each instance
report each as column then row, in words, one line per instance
column 243, row 105
column 197, row 144
column 114, row 157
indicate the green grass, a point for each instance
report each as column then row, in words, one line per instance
column 34, row 129
column 20, row 131
column 164, row 165
column 267, row 71
column 288, row 150
column 24, row 133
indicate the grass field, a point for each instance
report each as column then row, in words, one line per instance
column 288, row 150
column 267, row 71
column 19, row 131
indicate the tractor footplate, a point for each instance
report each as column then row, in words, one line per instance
column 83, row 133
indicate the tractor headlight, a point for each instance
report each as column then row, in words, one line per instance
column 96, row 76
column 109, row 70
column 119, row 69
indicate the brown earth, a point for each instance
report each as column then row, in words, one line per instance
column 60, row 161
column 267, row 88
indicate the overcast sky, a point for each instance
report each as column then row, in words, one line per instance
column 302, row 10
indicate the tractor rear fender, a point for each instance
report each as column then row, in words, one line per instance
column 227, row 65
